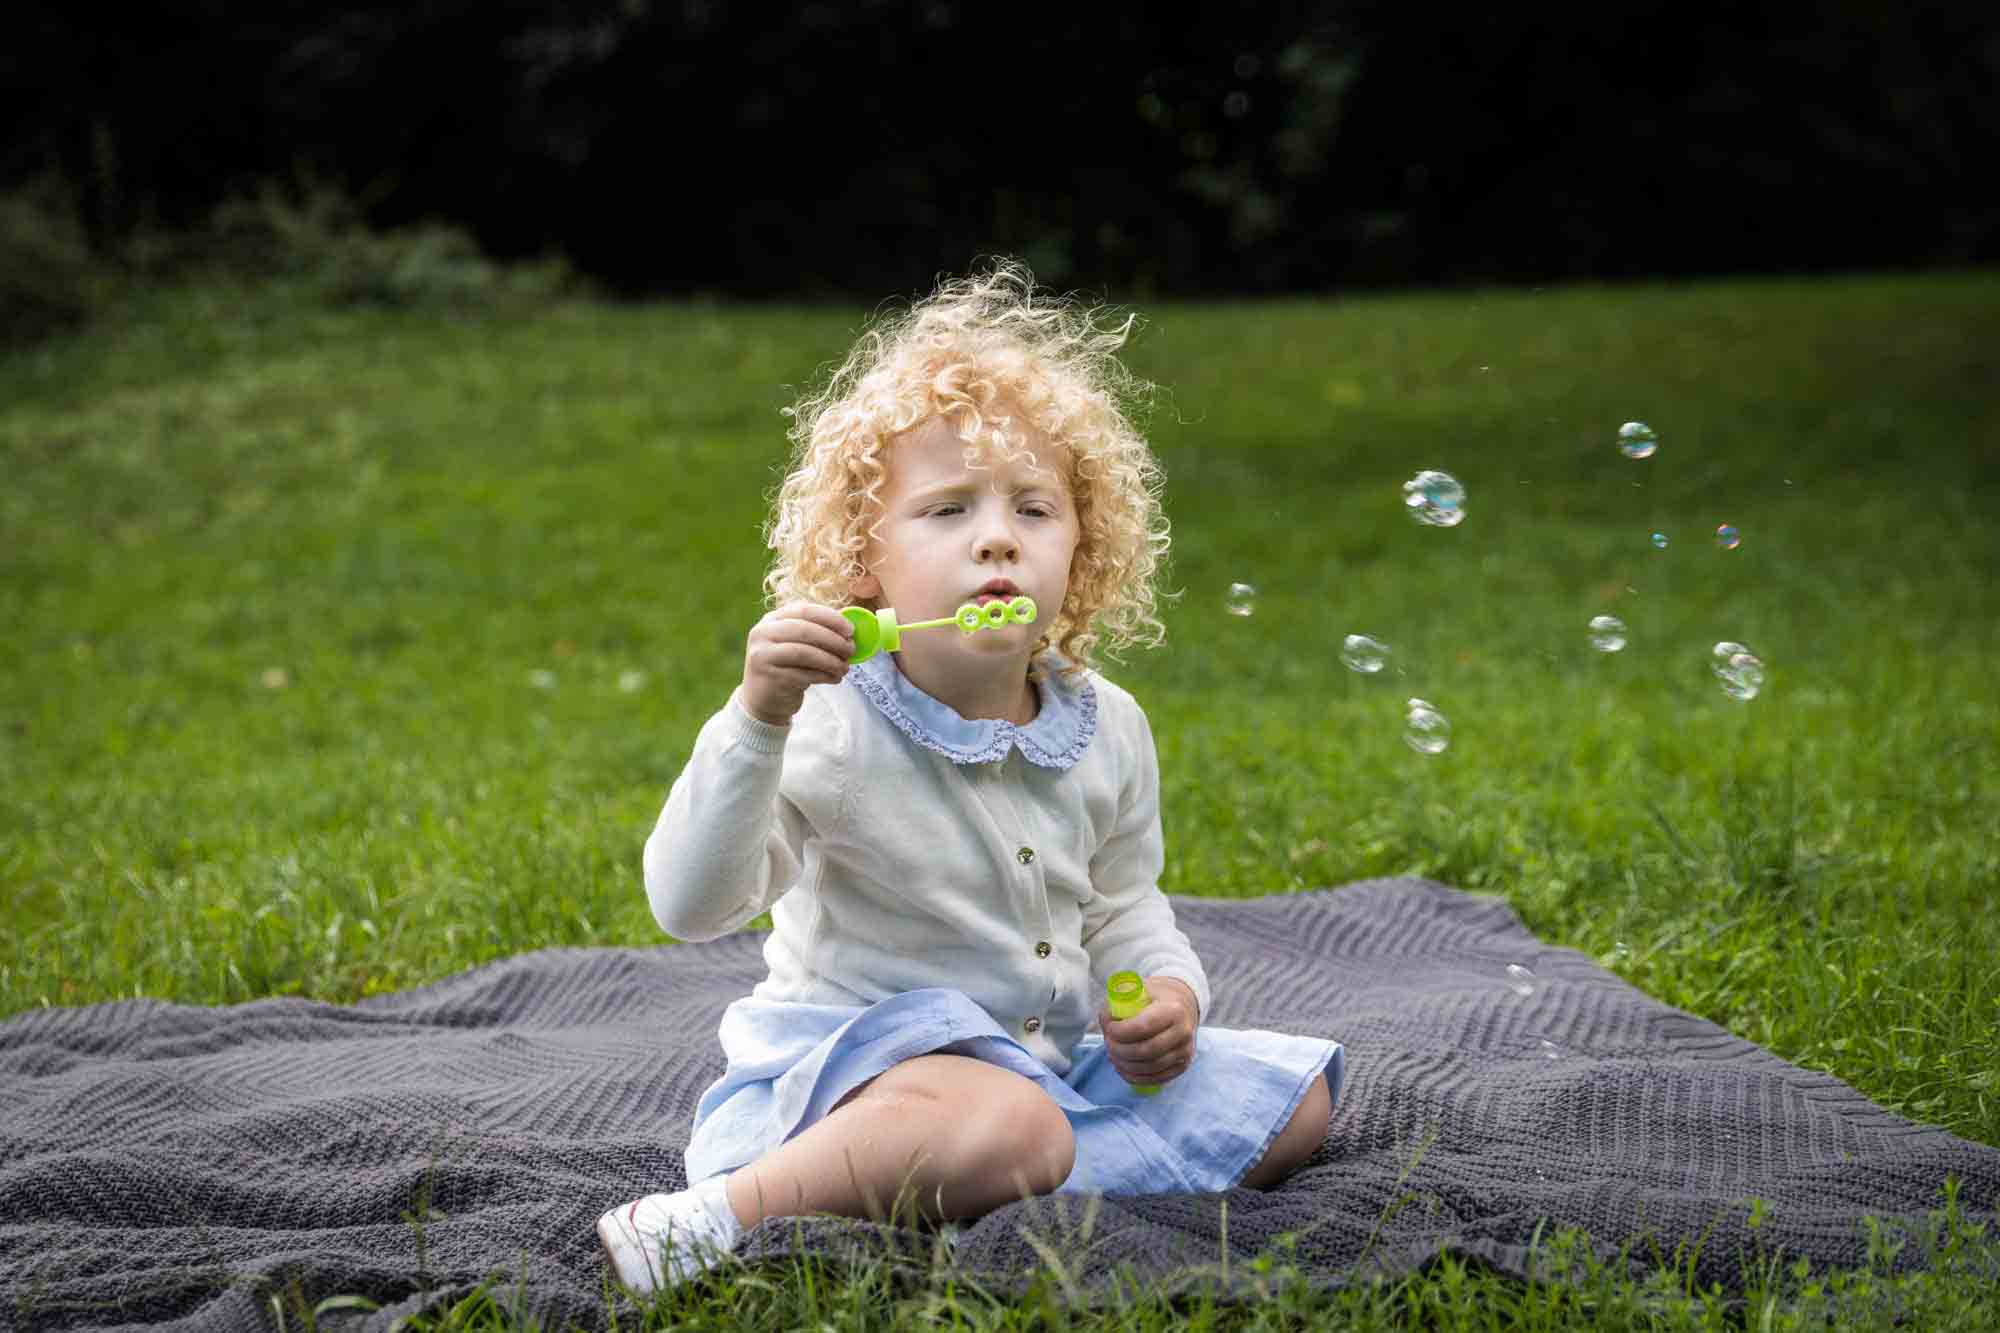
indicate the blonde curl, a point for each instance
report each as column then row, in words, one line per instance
column 973, row 351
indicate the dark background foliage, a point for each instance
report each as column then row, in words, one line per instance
column 818, row 149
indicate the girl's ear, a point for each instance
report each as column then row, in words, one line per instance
column 865, row 586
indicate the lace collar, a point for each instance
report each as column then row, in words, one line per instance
column 1056, row 739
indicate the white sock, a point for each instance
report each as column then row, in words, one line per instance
column 713, row 1196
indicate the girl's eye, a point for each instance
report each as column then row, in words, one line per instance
column 944, row 510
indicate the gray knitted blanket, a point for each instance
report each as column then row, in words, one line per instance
column 175, row 1167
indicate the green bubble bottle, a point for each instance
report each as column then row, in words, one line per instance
column 1125, row 994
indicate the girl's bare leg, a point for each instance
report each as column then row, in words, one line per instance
column 960, row 1135
column 1298, row 1140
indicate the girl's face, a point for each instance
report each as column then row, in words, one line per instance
column 951, row 534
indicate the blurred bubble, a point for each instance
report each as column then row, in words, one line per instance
column 276, row 678
column 1520, row 980
column 1741, row 672
column 1607, row 633
column 1660, row 540
column 1426, row 730
column 1361, row 653
column 1637, row 440
column 631, row 682
column 1241, row 600
column 1549, row 1050
column 1728, row 538
column 1620, row 955
column 1435, row 499
column 542, row 680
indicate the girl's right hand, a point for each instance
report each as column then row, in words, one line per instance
column 799, row 645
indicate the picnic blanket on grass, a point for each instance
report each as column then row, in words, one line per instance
column 168, row 1166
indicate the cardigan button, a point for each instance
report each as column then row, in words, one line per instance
column 1041, row 949
column 1033, row 1025
column 1026, row 856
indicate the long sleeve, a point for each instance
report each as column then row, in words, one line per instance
column 1128, row 923
column 729, row 842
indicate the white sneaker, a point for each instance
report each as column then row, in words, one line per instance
column 665, row 1239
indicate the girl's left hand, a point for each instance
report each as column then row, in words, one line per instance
column 1155, row 1045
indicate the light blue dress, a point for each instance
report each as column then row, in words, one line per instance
column 790, row 1063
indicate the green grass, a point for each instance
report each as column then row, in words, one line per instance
column 347, row 650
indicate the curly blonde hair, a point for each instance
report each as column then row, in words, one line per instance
column 973, row 349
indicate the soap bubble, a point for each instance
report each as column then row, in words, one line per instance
column 1435, row 499
column 1363, row 654
column 1520, row 980
column 1637, row 440
column 1660, row 540
column 1728, row 538
column 1620, row 955
column 1241, row 599
column 1548, row 1049
column 1426, row 730
column 1607, row 633
column 1740, row 670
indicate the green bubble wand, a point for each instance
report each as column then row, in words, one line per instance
column 877, row 631
column 1125, row 994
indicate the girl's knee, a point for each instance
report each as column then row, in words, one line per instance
column 1308, row 1125
column 1037, row 1135
column 1005, row 1124
column 1317, row 1106
column 1014, row 1129
column 1300, row 1137
column 1030, row 1147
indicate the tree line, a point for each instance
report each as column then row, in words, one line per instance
column 760, row 149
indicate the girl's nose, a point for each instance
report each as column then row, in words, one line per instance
column 997, row 545
column 994, row 540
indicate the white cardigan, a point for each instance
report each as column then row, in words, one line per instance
column 898, row 845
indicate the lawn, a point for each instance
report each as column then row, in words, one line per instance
column 348, row 649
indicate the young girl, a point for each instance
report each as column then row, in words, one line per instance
column 959, row 841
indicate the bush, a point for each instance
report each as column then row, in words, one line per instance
column 316, row 232
column 307, row 233
column 49, row 281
